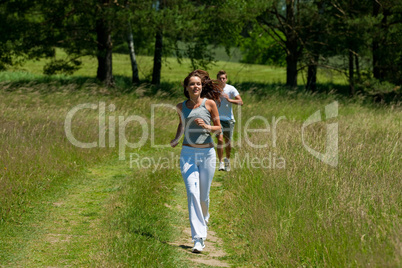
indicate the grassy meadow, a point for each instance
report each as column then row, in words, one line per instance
column 279, row 207
column 172, row 71
column 294, row 210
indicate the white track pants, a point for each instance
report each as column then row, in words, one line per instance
column 197, row 168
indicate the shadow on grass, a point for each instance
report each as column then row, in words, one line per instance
column 48, row 84
column 265, row 89
column 185, row 247
column 124, row 85
column 324, row 91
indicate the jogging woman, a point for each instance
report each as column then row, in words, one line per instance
column 197, row 158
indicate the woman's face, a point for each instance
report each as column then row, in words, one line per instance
column 194, row 87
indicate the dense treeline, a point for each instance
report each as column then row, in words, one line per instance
column 359, row 38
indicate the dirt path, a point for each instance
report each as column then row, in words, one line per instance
column 71, row 234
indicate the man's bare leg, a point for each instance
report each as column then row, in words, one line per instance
column 219, row 149
column 228, row 149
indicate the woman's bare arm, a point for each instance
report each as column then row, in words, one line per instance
column 180, row 128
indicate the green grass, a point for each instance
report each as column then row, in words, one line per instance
column 308, row 213
column 40, row 166
column 65, row 226
column 303, row 214
column 142, row 226
column 172, row 71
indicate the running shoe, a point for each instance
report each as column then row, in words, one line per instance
column 221, row 166
column 198, row 245
column 227, row 164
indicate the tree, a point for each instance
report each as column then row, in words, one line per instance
column 349, row 34
column 281, row 21
column 19, row 19
column 160, row 26
column 104, row 42
column 130, row 41
column 387, row 35
column 259, row 48
column 132, row 31
column 231, row 23
column 78, row 27
column 316, row 45
column 156, row 73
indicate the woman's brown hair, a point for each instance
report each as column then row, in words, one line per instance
column 211, row 89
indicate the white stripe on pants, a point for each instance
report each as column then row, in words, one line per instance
column 197, row 167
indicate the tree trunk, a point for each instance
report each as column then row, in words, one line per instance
column 376, row 45
column 315, row 51
column 312, row 78
column 312, row 74
column 291, row 71
column 156, row 73
column 134, row 66
column 380, row 67
column 291, row 46
column 104, row 55
column 358, row 68
column 351, row 71
column 376, row 60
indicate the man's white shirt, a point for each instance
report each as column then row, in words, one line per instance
column 225, row 109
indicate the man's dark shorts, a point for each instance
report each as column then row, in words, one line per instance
column 228, row 128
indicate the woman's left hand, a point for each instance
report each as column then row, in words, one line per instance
column 201, row 123
column 174, row 142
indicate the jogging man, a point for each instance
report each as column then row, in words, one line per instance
column 229, row 97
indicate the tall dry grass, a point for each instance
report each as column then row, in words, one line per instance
column 36, row 155
column 38, row 164
column 297, row 211
column 308, row 213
